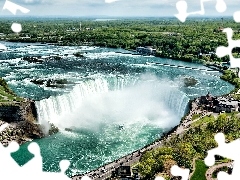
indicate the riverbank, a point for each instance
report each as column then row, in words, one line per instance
column 119, row 78
column 196, row 112
column 20, row 132
column 18, row 122
column 106, row 170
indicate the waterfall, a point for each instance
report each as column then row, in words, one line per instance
column 51, row 109
column 177, row 101
column 132, row 96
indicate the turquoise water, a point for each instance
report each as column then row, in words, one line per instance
column 108, row 90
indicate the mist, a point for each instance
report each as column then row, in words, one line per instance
column 142, row 104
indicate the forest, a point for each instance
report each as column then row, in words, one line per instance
column 194, row 40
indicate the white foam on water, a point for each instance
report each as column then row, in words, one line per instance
column 92, row 103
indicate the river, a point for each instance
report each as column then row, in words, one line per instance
column 114, row 103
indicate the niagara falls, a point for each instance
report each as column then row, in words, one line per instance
column 112, row 104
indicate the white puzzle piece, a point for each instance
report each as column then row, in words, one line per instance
column 222, row 51
column 226, row 150
column 182, row 8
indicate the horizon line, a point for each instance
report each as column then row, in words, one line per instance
column 106, row 16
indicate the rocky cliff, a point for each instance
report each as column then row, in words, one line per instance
column 20, row 119
column 18, row 111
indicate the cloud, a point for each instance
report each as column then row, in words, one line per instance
column 110, row 1
column 22, row 2
column 118, row 7
column 29, row 1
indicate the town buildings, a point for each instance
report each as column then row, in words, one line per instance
column 147, row 50
column 219, row 104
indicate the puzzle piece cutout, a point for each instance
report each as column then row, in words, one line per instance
column 32, row 169
column 182, row 7
column 16, row 27
column 227, row 150
column 236, row 16
column 12, row 7
column 177, row 171
column 159, row 178
column 3, row 127
column 222, row 51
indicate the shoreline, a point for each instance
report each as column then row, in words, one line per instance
column 135, row 156
column 106, row 170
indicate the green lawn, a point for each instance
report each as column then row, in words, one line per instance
column 6, row 96
column 200, row 170
column 195, row 116
column 203, row 120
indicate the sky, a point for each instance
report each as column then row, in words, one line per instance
column 115, row 8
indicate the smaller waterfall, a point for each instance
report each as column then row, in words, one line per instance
column 176, row 100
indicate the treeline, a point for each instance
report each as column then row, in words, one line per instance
column 232, row 78
column 192, row 40
column 193, row 144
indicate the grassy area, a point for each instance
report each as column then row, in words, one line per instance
column 236, row 96
column 200, row 170
column 192, row 144
column 195, row 116
column 6, row 94
column 232, row 113
column 203, row 120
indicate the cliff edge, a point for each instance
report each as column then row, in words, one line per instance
column 20, row 122
column 18, row 117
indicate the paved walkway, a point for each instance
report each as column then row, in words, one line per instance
column 188, row 119
column 210, row 171
column 194, row 167
column 129, row 160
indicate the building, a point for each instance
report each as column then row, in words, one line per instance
column 208, row 100
column 125, row 173
column 147, row 50
column 219, row 104
column 226, row 105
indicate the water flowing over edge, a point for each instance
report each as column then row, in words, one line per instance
column 56, row 107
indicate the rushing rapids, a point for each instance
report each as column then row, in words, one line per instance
column 108, row 90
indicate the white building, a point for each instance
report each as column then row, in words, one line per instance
column 146, row 50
